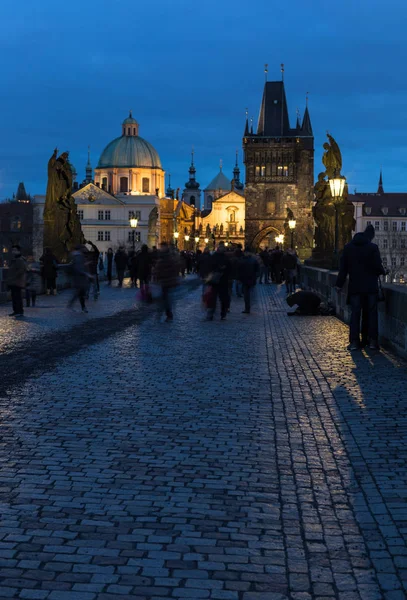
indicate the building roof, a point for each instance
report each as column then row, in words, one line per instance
column 273, row 117
column 219, row 182
column 92, row 194
column 21, row 193
column 130, row 152
column 378, row 203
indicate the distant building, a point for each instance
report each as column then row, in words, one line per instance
column 279, row 163
column 128, row 182
column 16, row 225
column 226, row 221
column 387, row 212
column 219, row 186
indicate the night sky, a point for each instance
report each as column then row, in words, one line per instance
column 72, row 70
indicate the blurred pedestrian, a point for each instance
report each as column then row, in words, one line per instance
column 289, row 265
column 166, row 271
column 92, row 260
column 144, row 267
column 33, row 281
column 16, row 280
column 79, row 277
column 120, row 260
column 218, row 280
column 49, row 271
column 248, row 269
column 109, row 260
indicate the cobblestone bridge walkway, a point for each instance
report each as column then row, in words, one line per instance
column 251, row 459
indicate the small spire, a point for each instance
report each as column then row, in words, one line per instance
column 237, row 157
column 88, row 170
column 306, row 99
column 380, row 189
column 298, row 119
column 282, row 71
column 221, row 164
column 246, row 129
column 130, row 114
column 266, row 70
column 88, row 156
column 251, row 125
column 192, row 156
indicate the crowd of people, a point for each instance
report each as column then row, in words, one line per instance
column 224, row 272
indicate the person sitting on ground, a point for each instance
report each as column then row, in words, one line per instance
column 307, row 303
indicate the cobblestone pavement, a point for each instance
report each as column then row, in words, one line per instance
column 251, row 459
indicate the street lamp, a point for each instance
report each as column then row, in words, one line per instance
column 280, row 239
column 196, row 243
column 337, row 185
column 291, row 224
column 133, row 225
column 206, row 240
column 176, row 236
column 186, row 238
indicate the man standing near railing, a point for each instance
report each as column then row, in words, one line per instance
column 362, row 262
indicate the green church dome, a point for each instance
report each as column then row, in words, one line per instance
column 129, row 151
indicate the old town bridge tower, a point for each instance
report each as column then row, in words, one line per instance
column 279, row 173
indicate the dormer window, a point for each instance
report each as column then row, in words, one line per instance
column 402, row 210
column 385, row 210
column 368, row 210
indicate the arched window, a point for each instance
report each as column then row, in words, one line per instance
column 128, row 130
column 192, row 201
column 104, row 183
column 124, row 186
column 134, row 131
column 146, row 185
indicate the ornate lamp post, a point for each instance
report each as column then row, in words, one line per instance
column 337, row 185
column 291, row 224
column 176, row 236
column 133, row 225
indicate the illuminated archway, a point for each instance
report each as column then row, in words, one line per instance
column 263, row 233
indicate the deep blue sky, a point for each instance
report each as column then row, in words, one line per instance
column 71, row 71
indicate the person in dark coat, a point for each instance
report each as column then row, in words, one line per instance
column 237, row 256
column 49, row 271
column 33, row 282
column 361, row 262
column 144, row 266
column 307, row 303
column 109, row 259
column 219, row 281
column 80, row 277
column 16, row 280
column 92, row 259
column 247, row 270
column 289, row 264
column 166, row 275
column 121, row 263
column 264, row 269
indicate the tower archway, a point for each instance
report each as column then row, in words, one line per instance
column 262, row 234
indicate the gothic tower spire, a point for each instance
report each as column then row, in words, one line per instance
column 380, row 189
column 89, row 173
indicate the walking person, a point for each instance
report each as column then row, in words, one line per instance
column 289, row 264
column 120, row 260
column 16, row 280
column 109, row 260
column 219, row 282
column 49, row 270
column 33, row 281
column 80, row 277
column 264, row 269
column 143, row 270
column 92, row 260
column 248, row 269
column 361, row 262
column 166, row 274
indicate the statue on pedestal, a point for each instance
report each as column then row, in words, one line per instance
column 62, row 227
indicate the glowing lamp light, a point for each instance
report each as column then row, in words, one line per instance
column 133, row 222
column 292, row 223
column 206, row 240
column 226, row 243
column 197, row 239
column 280, row 238
column 337, row 185
column 187, row 238
column 176, row 234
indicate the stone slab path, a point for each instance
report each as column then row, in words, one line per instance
column 251, row 459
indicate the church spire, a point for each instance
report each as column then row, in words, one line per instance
column 89, row 173
column 246, row 129
column 380, row 189
column 236, row 174
column 192, row 184
column 298, row 125
column 169, row 191
column 306, row 122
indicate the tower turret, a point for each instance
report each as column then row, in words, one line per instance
column 192, row 193
column 89, row 172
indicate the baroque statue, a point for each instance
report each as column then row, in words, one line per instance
column 325, row 208
column 62, row 227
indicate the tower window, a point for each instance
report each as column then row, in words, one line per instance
column 104, row 183
column 146, row 185
column 134, row 131
column 192, row 201
column 282, row 171
column 124, row 186
column 128, row 130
